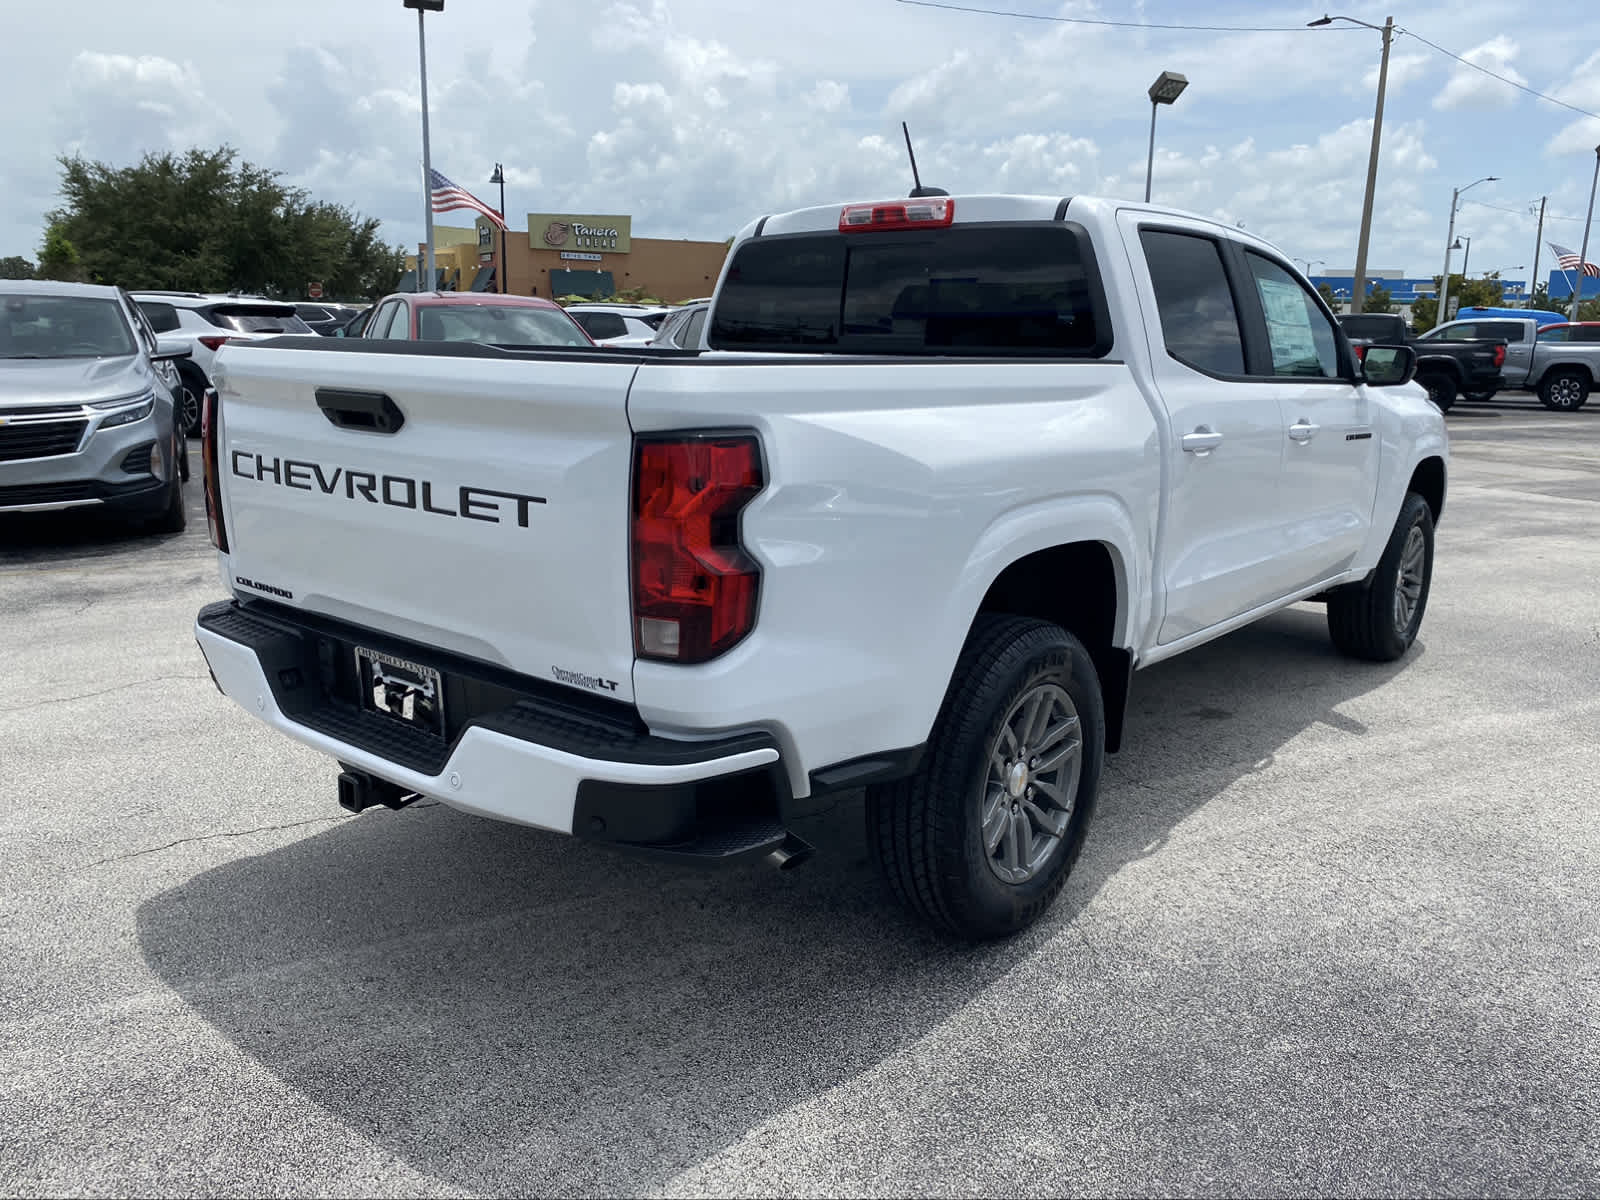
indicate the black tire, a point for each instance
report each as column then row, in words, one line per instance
column 191, row 390
column 1364, row 619
column 1441, row 389
column 927, row 831
column 1479, row 397
column 1564, row 390
column 174, row 518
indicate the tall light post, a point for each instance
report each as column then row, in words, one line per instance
column 1358, row 289
column 1449, row 240
column 1166, row 89
column 499, row 177
column 1583, row 253
column 424, row 7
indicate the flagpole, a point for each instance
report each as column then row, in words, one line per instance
column 1583, row 253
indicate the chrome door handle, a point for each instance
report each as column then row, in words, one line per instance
column 1303, row 430
column 1202, row 441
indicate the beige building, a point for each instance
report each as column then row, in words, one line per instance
column 562, row 254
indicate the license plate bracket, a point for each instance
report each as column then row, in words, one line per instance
column 405, row 691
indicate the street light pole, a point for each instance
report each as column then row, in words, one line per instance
column 423, row 7
column 1583, row 254
column 499, row 177
column 1166, row 89
column 1449, row 244
column 1358, row 288
column 1466, row 257
column 1538, row 242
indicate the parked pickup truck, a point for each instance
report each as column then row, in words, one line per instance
column 1446, row 368
column 1561, row 371
column 950, row 472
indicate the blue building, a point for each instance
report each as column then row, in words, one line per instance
column 1404, row 291
column 1561, row 282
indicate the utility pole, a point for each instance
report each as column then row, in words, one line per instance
column 1449, row 245
column 1583, row 254
column 1358, row 291
column 1538, row 242
column 499, row 177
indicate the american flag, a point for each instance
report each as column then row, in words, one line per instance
column 1570, row 261
column 448, row 196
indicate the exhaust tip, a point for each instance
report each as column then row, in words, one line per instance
column 790, row 853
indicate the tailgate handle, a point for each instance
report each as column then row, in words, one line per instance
column 366, row 412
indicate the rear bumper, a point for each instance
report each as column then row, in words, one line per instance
column 513, row 750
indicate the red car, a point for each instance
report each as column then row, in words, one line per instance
column 1571, row 331
column 473, row 317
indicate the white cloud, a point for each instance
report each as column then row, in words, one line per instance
column 1403, row 69
column 1584, row 91
column 1468, row 88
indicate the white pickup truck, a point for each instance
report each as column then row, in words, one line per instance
column 950, row 472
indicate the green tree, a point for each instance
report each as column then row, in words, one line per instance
column 1485, row 292
column 1379, row 300
column 206, row 221
column 14, row 266
column 58, row 257
column 1326, row 293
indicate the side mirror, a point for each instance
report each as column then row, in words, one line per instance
column 170, row 351
column 1388, row 366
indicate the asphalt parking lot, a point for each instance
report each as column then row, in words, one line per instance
column 1336, row 929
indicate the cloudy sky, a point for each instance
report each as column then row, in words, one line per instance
column 696, row 115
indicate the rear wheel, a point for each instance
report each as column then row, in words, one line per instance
column 980, row 840
column 1564, row 391
column 1441, row 389
column 1379, row 620
column 1478, row 397
column 191, row 387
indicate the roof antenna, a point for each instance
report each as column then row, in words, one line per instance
column 918, row 189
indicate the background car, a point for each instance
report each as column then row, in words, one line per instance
column 1570, row 331
column 474, row 317
column 619, row 324
column 88, row 414
column 684, row 328
column 324, row 318
column 203, row 323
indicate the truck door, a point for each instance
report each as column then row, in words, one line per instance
column 1330, row 465
column 1226, row 441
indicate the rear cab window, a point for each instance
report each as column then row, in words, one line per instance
column 1022, row 289
column 1199, row 319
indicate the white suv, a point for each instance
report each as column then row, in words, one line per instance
column 619, row 324
column 203, row 323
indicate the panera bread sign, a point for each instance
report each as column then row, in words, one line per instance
column 591, row 234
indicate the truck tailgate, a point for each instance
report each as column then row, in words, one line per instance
column 478, row 505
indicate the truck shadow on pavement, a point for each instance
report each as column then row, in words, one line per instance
column 509, row 1011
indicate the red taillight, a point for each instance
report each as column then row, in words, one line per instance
column 929, row 213
column 694, row 587
column 209, row 433
column 1361, row 353
column 1500, row 355
column 211, row 342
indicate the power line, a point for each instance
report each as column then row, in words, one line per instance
column 1027, row 16
column 1518, row 212
column 1521, row 87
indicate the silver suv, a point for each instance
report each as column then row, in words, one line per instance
column 203, row 323
column 87, row 405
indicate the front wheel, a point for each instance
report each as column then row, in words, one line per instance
column 1478, row 397
column 174, row 517
column 980, row 840
column 1379, row 620
column 1564, row 391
